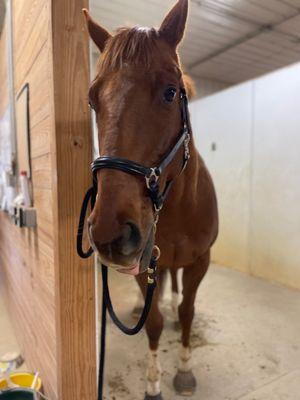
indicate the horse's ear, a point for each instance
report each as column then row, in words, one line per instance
column 173, row 26
column 98, row 34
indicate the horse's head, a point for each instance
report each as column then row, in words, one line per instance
column 136, row 99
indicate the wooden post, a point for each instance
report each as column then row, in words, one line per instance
column 72, row 155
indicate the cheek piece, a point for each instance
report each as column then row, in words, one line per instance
column 151, row 176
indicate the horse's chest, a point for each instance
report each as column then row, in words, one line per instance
column 177, row 250
column 182, row 241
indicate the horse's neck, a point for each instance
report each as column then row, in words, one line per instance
column 190, row 215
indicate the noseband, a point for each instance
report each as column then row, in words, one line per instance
column 152, row 177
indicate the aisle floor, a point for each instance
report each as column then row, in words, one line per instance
column 246, row 341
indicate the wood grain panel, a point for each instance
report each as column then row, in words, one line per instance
column 28, row 43
column 40, row 86
column 43, row 202
column 27, row 255
column 51, row 291
column 24, row 16
column 73, row 152
column 31, row 298
column 40, row 137
column 41, row 172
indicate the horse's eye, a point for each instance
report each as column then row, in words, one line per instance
column 170, row 94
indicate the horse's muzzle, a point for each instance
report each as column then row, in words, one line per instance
column 125, row 253
column 120, row 251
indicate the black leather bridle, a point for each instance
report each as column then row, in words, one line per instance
column 151, row 176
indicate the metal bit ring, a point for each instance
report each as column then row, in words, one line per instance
column 156, row 252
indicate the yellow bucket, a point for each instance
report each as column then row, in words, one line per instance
column 22, row 379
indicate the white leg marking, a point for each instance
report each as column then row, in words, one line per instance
column 175, row 300
column 153, row 374
column 185, row 359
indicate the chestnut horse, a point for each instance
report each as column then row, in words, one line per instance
column 136, row 99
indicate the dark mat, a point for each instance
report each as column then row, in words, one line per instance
column 17, row 394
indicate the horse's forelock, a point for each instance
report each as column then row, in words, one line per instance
column 130, row 45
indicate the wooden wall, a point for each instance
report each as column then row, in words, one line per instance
column 49, row 290
column 27, row 256
column 75, row 290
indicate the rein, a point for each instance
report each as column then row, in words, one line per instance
column 151, row 176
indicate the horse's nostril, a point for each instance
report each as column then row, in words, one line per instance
column 126, row 243
column 130, row 239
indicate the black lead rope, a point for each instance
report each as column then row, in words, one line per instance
column 106, row 299
column 90, row 195
column 107, row 306
column 151, row 176
column 145, row 312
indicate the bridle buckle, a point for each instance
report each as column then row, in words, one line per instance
column 158, row 207
column 152, row 178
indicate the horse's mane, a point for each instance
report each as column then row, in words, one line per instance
column 129, row 45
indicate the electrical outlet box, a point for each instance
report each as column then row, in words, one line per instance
column 24, row 217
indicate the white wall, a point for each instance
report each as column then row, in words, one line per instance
column 256, row 170
column 206, row 87
column 229, row 165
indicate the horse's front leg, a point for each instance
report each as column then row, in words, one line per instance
column 185, row 382
column 154, row 327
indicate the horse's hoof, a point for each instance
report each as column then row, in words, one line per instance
column 185, row 383
column 157, row 397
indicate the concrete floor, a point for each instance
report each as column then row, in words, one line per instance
column 246, row 341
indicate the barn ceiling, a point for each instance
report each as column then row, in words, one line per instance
column 227, row 41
